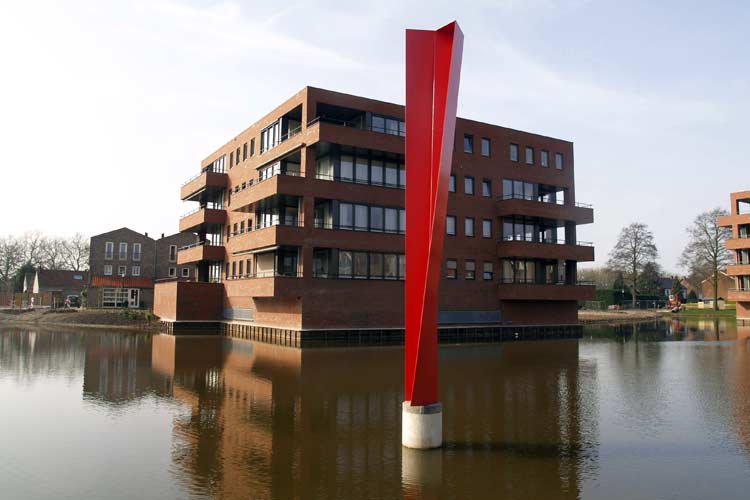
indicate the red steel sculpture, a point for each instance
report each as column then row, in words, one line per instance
column 433, row 66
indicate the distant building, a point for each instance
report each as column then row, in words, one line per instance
column 57, row 282
column 726, row 283
column 124, row 265
column 739, row 221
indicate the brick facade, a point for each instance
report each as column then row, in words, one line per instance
column 272, row 232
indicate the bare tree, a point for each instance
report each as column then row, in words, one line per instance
column 11, row 259
column 706, row 254
column 602, row 277
column 54, row 250
column 33, row 244
column 77, row 252
column 634, row 249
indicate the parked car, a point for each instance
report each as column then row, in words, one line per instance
column 72, row 301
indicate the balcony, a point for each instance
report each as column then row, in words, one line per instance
column 738, row 243
column 580, row 213
column 733, row 220
column 738, row 295
column 201, row 219
column 355, row 134
column 291, row 183
column 282, row 231
column 582, row 251
column 204, row 185
column 188, row 301
column 545, row 291
column 198, row 252
column 266, row 284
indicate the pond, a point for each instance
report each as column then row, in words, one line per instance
column 654, row 410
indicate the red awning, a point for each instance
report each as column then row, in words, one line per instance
column 117, row 282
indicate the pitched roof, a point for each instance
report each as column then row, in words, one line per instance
column 61, row 279
column 117, row 282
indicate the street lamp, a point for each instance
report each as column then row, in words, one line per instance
column 122, row 285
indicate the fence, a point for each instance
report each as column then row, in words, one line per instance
column 23, row 300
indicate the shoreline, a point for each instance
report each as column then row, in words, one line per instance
column 88, row 319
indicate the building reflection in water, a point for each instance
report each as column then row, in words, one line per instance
column 275, row 422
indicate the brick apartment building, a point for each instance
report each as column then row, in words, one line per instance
column 739, row 244
column 124, row 264
column 301, row 222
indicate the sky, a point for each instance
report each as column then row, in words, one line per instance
column 106, row 108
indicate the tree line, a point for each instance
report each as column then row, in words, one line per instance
column 34, row 250
column 632, row 263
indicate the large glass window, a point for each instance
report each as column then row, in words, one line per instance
column 401, row 221
column 376, row 266
column 376, row 219
column 109, row 250
column 376, row 172
column 378, row 123
column 391, row 126
column 347, row 168
column 136, row 252
column 346, row 215
column 123, row 253
column 391, row 174
column 360, row 218
column 391, row 220
column 390, row 266
column 345, row 264
column 401, row 267
column 361, row 175
column 360, row 265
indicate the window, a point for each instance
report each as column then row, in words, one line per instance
column 559, row 160
column 544, row 159
column 376, row 219
column 122, row 270
column 107, row 269
column 135, row 271
column 244, row 152
column 487, row 188
column 186, row 271
column 468, row 143
column 487, row 228
column 270, row 137
column 401, row 267
column 514, row 152
column 173, row 252
column 391, row 126
column 469, row 226
column 378, row 123
column 451, row 269
column 391, row 174
column 390, row 266
column 376, row 266
column 470, row 269
column 346, row 215
column 173, row 271
column 345, row 264
column 252, row 147
column 487, row 271
column 109, row 250
column 347, row 168
column 123, row 253
column 452, row 184
column 485, row 146
column 136, row 252
column 237, row 155
column 360, row 218
column 391, row 220
column 529, row 155
column 231, row 159
column 361, row 172
column 388, row 125
column 450, row 225
column 376, row 172
column 469, row 185
column 360, row 265
column 401, row 220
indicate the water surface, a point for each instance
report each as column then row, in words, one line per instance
column 658, row 410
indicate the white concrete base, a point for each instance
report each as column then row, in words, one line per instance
column 422, row 426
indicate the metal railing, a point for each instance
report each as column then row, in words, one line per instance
column 537, row 199
column 291, row 133
column 353, row 124
column 329, row 177
column 529, row 281
column 207, row 170
column 266, row 274
column 320, row 224
column 524, row 239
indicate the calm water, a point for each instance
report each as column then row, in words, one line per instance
column 661, row 410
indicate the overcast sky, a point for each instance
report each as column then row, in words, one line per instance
column 107, row 107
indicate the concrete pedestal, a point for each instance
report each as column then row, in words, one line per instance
column 422, row 426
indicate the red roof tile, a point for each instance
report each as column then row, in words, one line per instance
column 117, row 282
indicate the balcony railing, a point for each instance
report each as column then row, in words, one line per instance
column 209, row 169
column 266, row 274
column 291, row 133
column 353, row 124
column 529, row 281
column 321, row 224
column 524, row 239
column 329, row 177
column 577, row 204
column 196, row 210
column 283, row 221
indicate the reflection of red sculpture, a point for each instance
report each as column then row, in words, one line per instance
column 433, row 65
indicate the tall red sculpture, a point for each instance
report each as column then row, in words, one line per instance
column 433, row 65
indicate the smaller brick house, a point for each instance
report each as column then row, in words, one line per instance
column 124, row 265
column 59, row 283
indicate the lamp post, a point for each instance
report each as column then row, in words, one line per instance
column 122, row 285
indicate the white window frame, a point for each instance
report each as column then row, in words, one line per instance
column 135, row 271
column 122, row 251
column 172, row 272
column 185, row 272
column 122, row 270
column 137, row 252
column 107, row 269
column 171, row 247
column 109, row 250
